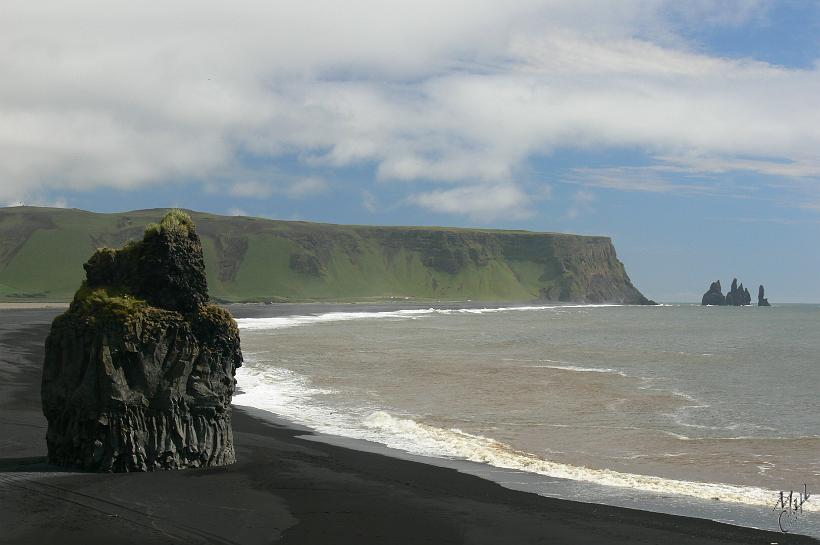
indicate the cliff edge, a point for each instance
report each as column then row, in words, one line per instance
column 255, row 259
column 139, row 372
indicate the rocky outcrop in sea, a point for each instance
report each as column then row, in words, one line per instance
column 737, row 295
column 761, row 299
column 139, row 372
column 714, row 296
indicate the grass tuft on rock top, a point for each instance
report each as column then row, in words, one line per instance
column 177, row 221
column 166, row 268
column 119, row 282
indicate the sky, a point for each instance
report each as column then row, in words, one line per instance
column 689, row 132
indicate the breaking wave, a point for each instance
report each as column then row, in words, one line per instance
column 420, row 438
column 279, row 322
column 292, row 396
column 566, row 366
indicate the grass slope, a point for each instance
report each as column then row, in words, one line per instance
column 42, row 251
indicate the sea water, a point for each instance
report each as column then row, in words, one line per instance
column 703, row 411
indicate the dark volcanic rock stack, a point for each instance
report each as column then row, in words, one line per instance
column 139, row 372
column 761, row 300
column 714, row 296
column 737, row 295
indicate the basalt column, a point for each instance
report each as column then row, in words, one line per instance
column 139, row 372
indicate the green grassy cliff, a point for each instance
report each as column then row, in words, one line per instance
column 250, row 259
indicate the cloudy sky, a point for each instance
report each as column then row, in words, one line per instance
column 687, row 131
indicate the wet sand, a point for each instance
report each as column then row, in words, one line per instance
column 284, row 489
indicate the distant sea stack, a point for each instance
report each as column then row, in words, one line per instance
column 139, row 372
column 737, row 296
column 761, row 300
column 714, row 296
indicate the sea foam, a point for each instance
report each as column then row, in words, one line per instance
column 292, row 396
column 566, row 366
column 279, row 322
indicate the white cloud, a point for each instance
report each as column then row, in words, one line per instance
column 115, row 94
column 730, row 13
column 369, row 202
column 251, row 189
column 651, row 179
column 298, row 188
column 478, row 202
column 236, row 212
column 306, row 187
column 59, row 202
column 581, row 203
column 696, row 163
column 699, row 174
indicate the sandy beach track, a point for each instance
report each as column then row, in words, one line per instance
column 38, row 484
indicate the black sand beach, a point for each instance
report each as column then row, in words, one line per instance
column 284, row 489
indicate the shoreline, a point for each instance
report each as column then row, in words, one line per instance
column 281, row 307
column 580, row 492
column 31, row 305
column 288, row 485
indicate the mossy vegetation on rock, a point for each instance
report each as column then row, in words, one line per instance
column 166, row 268
column 139, row 372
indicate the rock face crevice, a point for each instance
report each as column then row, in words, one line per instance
column 139, row 372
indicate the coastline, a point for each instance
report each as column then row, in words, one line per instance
column 29, row 305
column 288, row 485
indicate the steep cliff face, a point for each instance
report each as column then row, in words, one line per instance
column 251, row 259
column 139, row 372
column 591, row 272
column 483, row 264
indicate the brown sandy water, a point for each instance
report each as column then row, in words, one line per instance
column 684, row 400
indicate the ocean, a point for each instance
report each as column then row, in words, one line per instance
column 699, row 411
